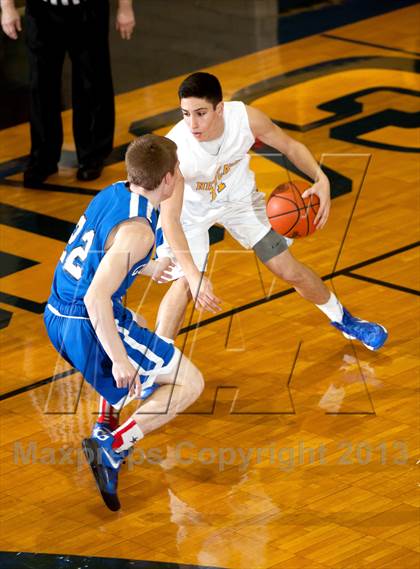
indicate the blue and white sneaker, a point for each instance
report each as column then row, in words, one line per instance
column 105, row 464
column 100, row 429
column 105, row 429
column 372, row 335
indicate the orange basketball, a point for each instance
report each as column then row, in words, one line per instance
column 289, row 213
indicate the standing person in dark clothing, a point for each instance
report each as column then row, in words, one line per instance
column 79, row 28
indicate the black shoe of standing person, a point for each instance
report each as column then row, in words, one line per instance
column 35, row 174
column 88, row 172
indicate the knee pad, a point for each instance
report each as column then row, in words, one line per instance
column 271, row 245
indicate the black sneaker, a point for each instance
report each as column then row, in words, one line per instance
column 105, row 464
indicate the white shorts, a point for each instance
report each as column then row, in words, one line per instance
column 245, row 220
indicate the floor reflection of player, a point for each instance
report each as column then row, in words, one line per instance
column 209, row 537
column 352, row 371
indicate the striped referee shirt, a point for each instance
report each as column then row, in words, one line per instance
column 64, row 2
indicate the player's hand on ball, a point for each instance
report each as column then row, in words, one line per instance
column 202, row 292
column 125, row 374
column 322, row 189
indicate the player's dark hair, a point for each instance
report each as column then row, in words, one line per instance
column 148, row 159
column 202, row 86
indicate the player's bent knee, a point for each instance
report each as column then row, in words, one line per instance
column 185, row 374
column 197, row 383
column 287, row 268
column 270, row 245
column 190, row 377
column 292, row 276
column 183, row 288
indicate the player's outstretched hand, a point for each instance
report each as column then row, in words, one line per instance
column 202, row 292
column 162, row 269
column 322, row 189
column 125, row 375
column 10, row 21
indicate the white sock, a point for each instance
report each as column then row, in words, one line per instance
column 126, row 435
column 333, row 309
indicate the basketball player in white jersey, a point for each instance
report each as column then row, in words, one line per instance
column 213, row 141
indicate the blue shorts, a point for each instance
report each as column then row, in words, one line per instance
column 73, row 336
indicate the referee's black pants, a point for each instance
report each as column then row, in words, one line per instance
column 82, row 31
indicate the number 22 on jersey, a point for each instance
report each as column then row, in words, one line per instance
column 73, row 260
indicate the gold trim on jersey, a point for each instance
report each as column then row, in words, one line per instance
column 216, row 186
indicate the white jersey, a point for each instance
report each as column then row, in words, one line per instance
column 213, row 180
column 219, row 188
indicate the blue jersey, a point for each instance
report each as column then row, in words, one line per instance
column 86, row 246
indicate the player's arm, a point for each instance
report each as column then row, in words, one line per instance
column 272, row 135
column 159, row 270
column 10, row 19
column 131, row 243
column 170, row 211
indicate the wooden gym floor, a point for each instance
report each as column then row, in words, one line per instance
column 302, row 451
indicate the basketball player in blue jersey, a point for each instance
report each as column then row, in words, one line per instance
column 89, row 326
column 213, row 141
